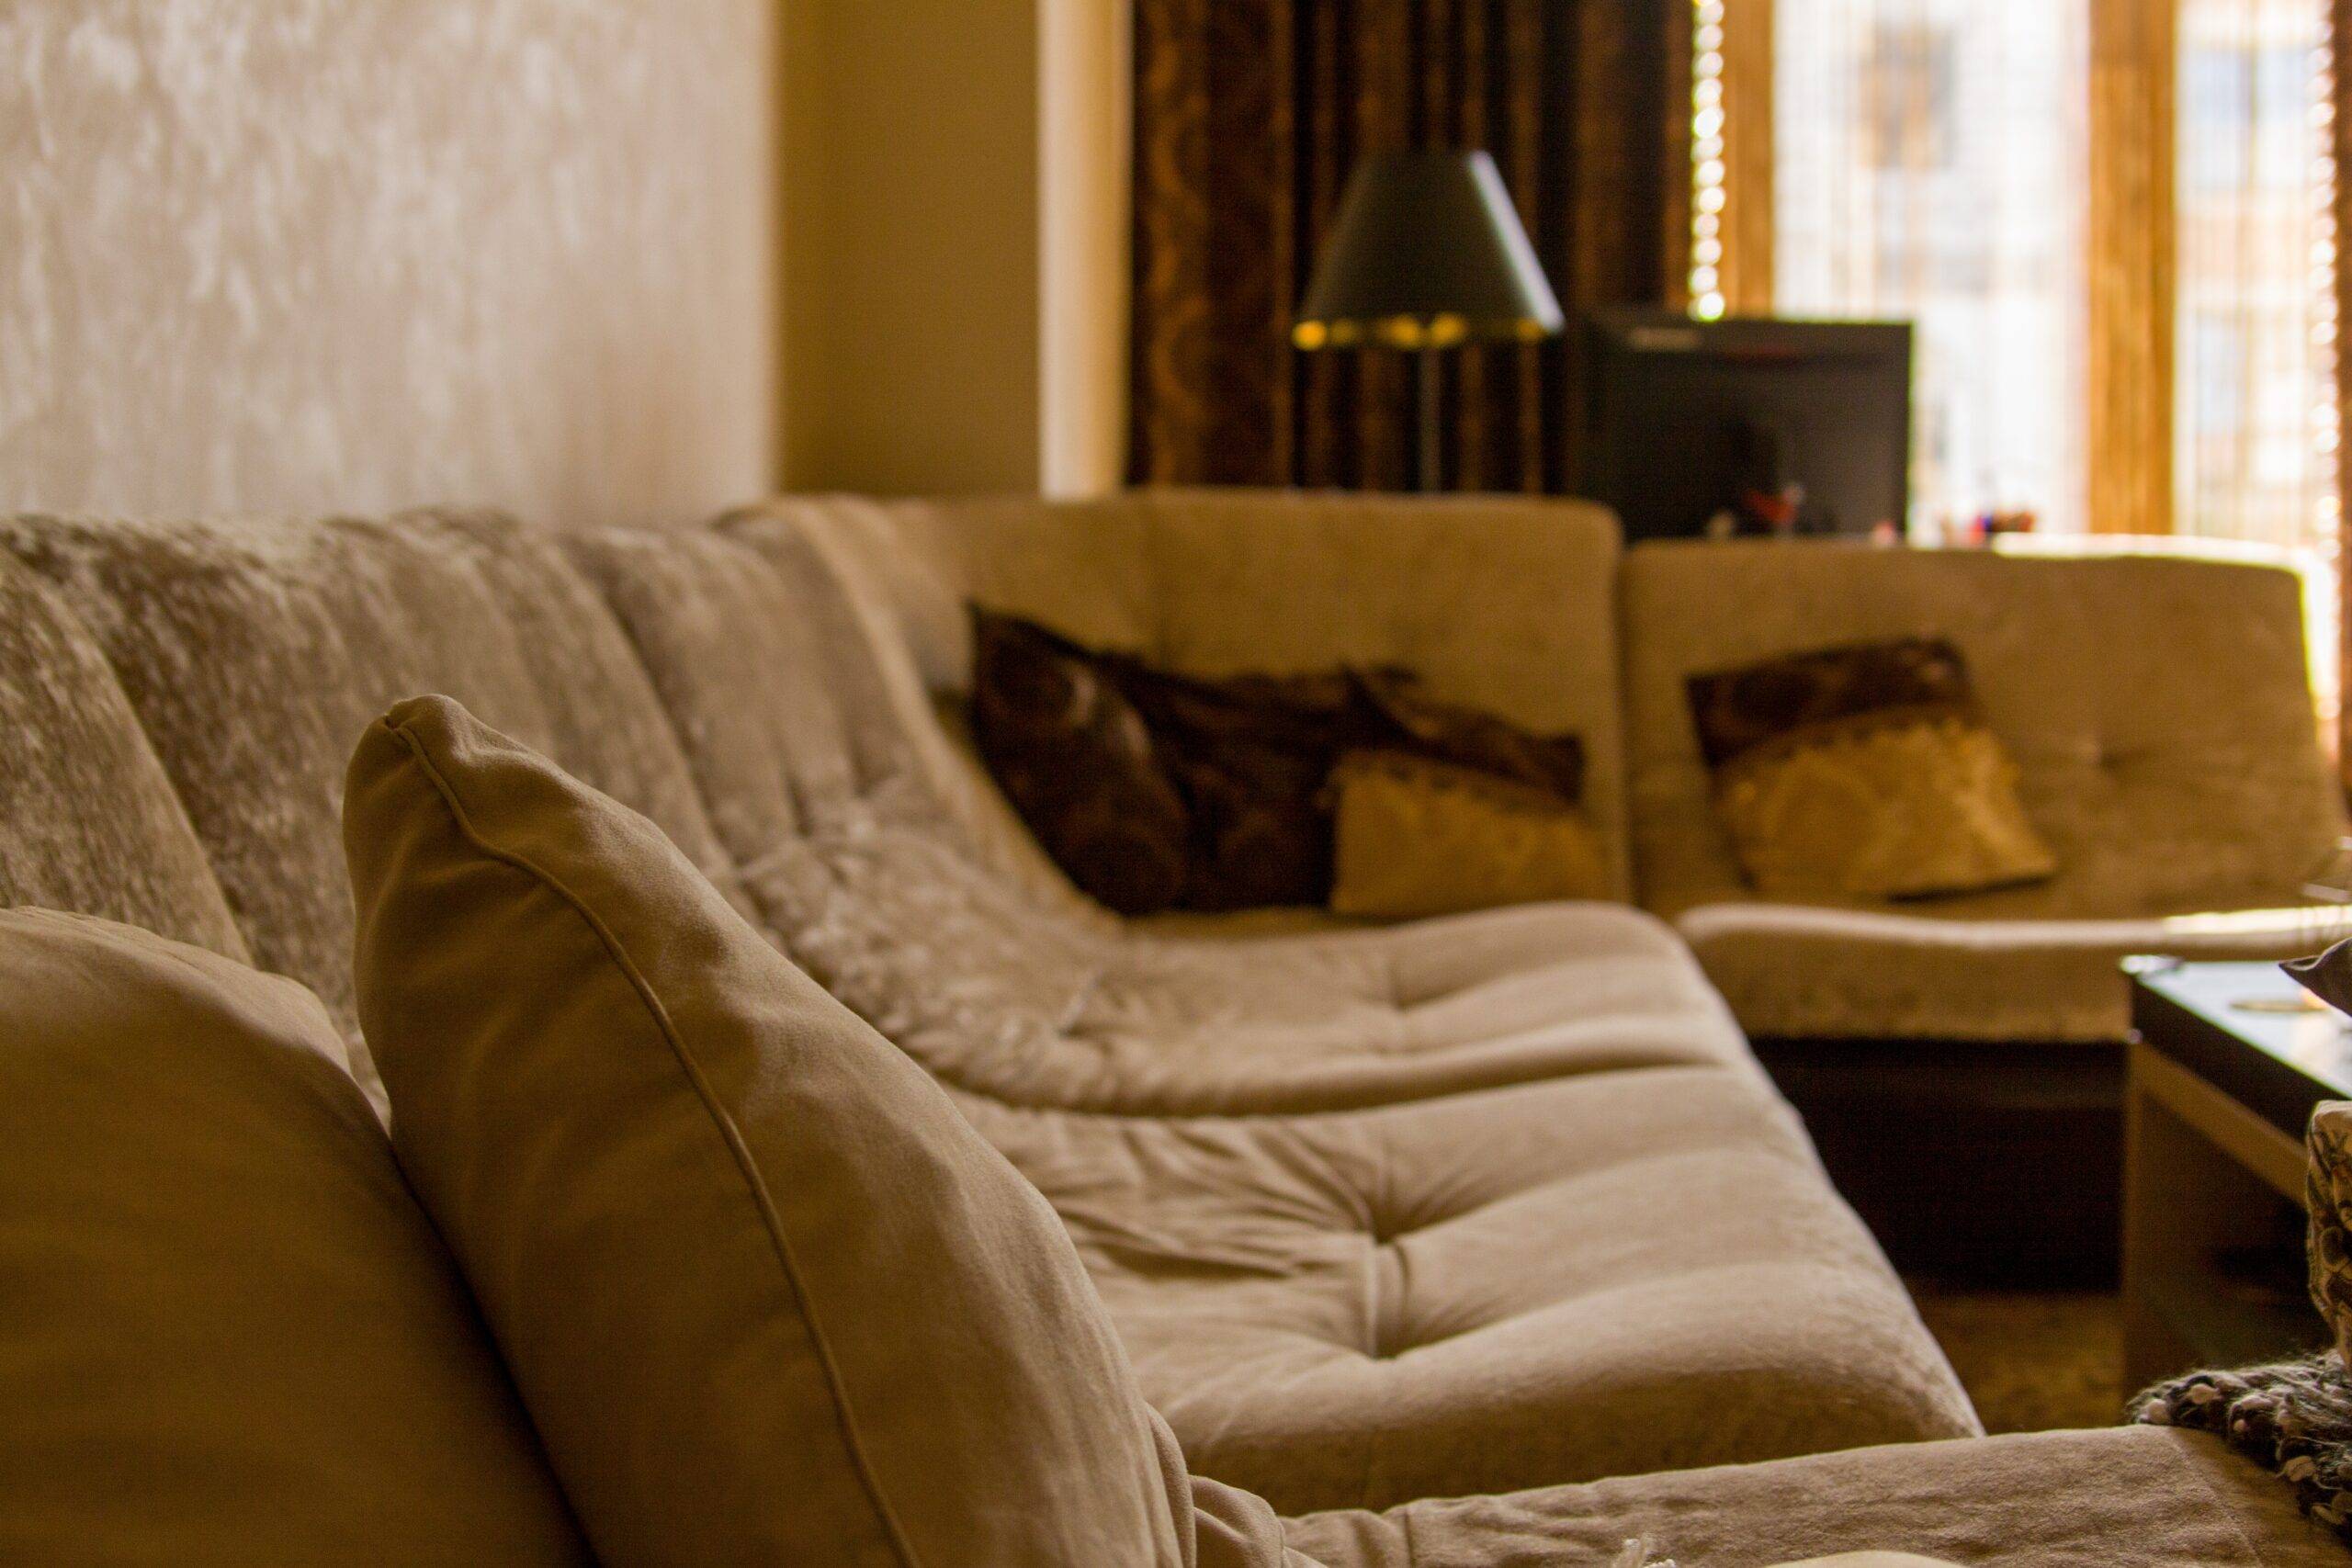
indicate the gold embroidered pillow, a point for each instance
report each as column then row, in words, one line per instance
column 1865, row 770
column 1417, row 837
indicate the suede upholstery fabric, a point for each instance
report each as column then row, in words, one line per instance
column 767, row 1295
column 2118, row 1497
column 2161, row 720
column 253, row 652
column 1380, row 1215
column 2158, row 709
column 234, row 1338
column 92, row 824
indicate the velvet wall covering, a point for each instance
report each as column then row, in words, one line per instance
column 1249, row 115
column 302, row 255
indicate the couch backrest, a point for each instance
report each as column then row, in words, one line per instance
column 253, row 654
column 88, row 821
column 2159, row 707
column 1504, row 604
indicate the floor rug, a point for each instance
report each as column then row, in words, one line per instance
column 2031, row 1360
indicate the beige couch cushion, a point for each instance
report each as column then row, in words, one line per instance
column 1605, row 1275
column 92, row 824
column 233, row 1335
column 253, row 652
column 2160, row 717
column 768, row 1297
column 1790, row 971
column 2123, row 1497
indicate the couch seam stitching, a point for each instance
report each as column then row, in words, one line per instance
column 723, row 1124
column 2220, row 1507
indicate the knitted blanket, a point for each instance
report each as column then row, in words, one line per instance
column 2294, row 1417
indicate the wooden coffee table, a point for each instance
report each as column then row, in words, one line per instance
column 2226, row 1063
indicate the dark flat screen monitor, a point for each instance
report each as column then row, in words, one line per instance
column 1683, row 417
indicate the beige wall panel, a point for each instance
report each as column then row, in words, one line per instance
column 912, row 235
column 1083, row 49
column 295, row 255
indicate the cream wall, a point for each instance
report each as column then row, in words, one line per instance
column 1084, row 141
column 297, row 255
column 955, row 244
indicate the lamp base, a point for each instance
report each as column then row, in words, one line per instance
column 1432, row 446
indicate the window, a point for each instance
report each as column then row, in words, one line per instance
column 1963, row 164
column 1923, row 167
column 2255, row 431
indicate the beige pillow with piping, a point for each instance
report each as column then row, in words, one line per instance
column 768, row 1296
column 233, row 1337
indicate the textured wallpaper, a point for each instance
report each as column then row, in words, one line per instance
column 304, row 256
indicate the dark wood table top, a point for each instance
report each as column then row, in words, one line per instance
column 2245, row 1028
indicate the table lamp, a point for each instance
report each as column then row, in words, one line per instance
column 1426, row 253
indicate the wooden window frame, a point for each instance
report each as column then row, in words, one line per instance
column 2131, row 238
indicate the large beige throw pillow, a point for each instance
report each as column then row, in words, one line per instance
column 768, row 1296
column 232, row 1335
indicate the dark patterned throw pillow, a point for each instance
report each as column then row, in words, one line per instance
column 1246, row 760
column 1074, row 759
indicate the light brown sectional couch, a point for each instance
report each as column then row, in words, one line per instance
column 2159, row 707
column 1381, row 1215
column 1958, row 1059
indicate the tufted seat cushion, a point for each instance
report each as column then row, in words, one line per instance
column 2161, row 718
column 1598, row 1275
column 1000, row 995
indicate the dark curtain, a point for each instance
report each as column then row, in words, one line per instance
column 1249, row 116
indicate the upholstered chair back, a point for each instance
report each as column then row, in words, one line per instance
column 2158, row 707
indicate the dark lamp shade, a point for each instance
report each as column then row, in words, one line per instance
column 1426, row 252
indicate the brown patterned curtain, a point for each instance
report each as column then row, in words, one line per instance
column 1249, row 115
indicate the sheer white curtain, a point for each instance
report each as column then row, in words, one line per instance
column 2255, row 405
column 1930, row 162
